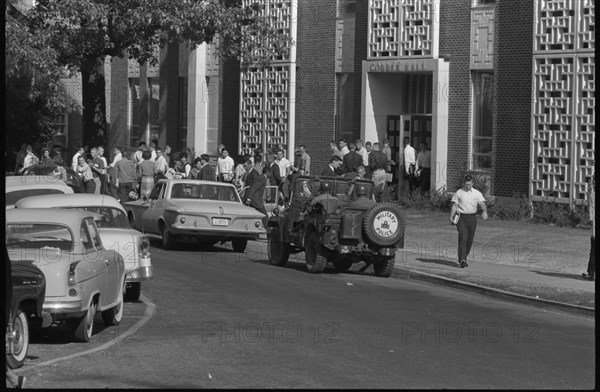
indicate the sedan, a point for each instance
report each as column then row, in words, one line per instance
column 115, row 233
column 18, row 187
column 207, row 210
column 82, row 277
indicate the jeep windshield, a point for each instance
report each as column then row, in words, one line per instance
column 204, row 192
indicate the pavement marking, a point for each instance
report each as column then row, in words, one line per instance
column 150, row 310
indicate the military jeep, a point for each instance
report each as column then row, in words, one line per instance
column 325, row 218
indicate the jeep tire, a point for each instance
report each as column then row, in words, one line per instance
column 315, row 261
column 384, row 266
column 277, row 250
column 383, row 224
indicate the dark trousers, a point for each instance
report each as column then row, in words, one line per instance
column 90, row 186
column 591, row 269
column 104, row 185
column 466, row 232
column 124, row 189
column 425, row 179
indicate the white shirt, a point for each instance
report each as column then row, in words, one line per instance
column 152, row 155
column 75, row 161
column 29, row 160
column 161, row 164
column 225, row 165
column 283, row 164
column 138, row 157
column 344, row 150
column 424, row 160
column 409, row 156
column 365, row 156
column 467, row 201
column 116, row 159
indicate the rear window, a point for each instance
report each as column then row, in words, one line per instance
column 39, row 235
column 14, row 196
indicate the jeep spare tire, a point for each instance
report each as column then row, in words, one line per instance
column 384, row 224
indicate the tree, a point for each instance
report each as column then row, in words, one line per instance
column 80, row 34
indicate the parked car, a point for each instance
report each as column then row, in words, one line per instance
column 115, row 233
column 64, row 173
column 26, row 314
column 208, row 210
column 333, row 230
column 18, row 187
column 82, row 277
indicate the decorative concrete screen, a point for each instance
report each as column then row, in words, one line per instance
column 563, row 110
column 266, row 93
column 402, row 28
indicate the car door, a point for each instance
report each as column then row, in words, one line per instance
column 155, row 208
column 109, row 282
column 140, row 209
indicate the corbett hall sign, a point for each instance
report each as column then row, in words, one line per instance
column 401, row 66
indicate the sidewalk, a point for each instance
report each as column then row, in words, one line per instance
column 534, row 263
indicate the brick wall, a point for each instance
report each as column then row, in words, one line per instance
column 455, row 30
column 514, row 91
column 360, row 54
column 315, row 79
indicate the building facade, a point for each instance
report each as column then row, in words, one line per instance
column 501, row 87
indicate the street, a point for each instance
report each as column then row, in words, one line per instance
column 212, row 318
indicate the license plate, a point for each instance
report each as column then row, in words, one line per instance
column 220, row 222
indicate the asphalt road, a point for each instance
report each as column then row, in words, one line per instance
column 216, row 319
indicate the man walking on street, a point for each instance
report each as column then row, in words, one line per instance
column 464, row 203
column 125, row 174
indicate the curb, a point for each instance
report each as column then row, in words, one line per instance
column 497, row 293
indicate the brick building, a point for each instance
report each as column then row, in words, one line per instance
column 503, row 87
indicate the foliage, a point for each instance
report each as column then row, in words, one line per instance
column 441, row 200
column 518, row 209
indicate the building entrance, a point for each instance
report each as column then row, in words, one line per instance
column 416, row 127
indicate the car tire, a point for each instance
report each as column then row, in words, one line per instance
column 277, row 250
column 239, row 244
column 315, row 261
column 113, row 315
column 343, row 265
column 168, row 239
column 85, row 325
column 132, row 293
column 372, row 227
column 384, row 267
column 21, row 343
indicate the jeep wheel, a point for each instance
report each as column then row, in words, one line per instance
column 383, row 267
column 344, row 264
column 278, row 251
column 383, row 224
column 315, row 262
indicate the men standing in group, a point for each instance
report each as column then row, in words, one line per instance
column 167, row 155
column 126, row 176
column 283, row 164
column 85, row 173
column 332, row 167
column 360, row 148
column 225, row 166
column 306, row 159
column 423, row 167
column 378, row 162
column 368, row 147
column 352, row 160
column 100, row 164
column 161, row 163
column 464, row 203
column 334, row 149
column 138, row 159
column 410, row 161
column 30, row 158
column 344, row 147
column 254, row 195
column 207, row 173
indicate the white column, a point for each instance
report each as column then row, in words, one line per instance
column 439, row 125
column 197, row 109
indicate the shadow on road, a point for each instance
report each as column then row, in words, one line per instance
column 438, row 261
column 559, row 275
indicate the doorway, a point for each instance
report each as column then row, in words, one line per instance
column 417, row 128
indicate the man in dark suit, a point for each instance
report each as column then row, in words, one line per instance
column 331, row 169
column 254, row 194
column 251, row 174
column 207, row 173
column 352, row 160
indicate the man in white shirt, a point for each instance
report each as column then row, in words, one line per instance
column 423, row 167
column 117, row 156
column 344, row 147
column 225, row 166
column 153, row 154
column 161, row 162
column 138, row 154
column 75, row 160
column 465, row 202
column 283, row 163
column 30, row 158
column 360, row 148
column 410, row 161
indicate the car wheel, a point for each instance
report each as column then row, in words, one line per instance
column 384, row 267
column 20, row 342
column 132, row 293
column 343, row 265
column 384, row 224
column 85, row 326
column 239, row 244
column 168, row 240
column 113, row 315
column 278, row 251
column 315, row 262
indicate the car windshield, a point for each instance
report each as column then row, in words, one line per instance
column 38, row 235
column 111, row 217
column 13, row 197
column 204, row 192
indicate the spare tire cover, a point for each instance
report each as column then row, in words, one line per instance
column 384, row 224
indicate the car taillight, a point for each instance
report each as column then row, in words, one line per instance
column 257, row 224
column 144, row 247
column 72, row 278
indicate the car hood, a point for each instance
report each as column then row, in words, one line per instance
column 213, row 207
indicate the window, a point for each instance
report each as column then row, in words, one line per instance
column 91, row 226
column 134, row 111
column 61, row 123
column 86, row 240
column 153, row 107
column 483, row 115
